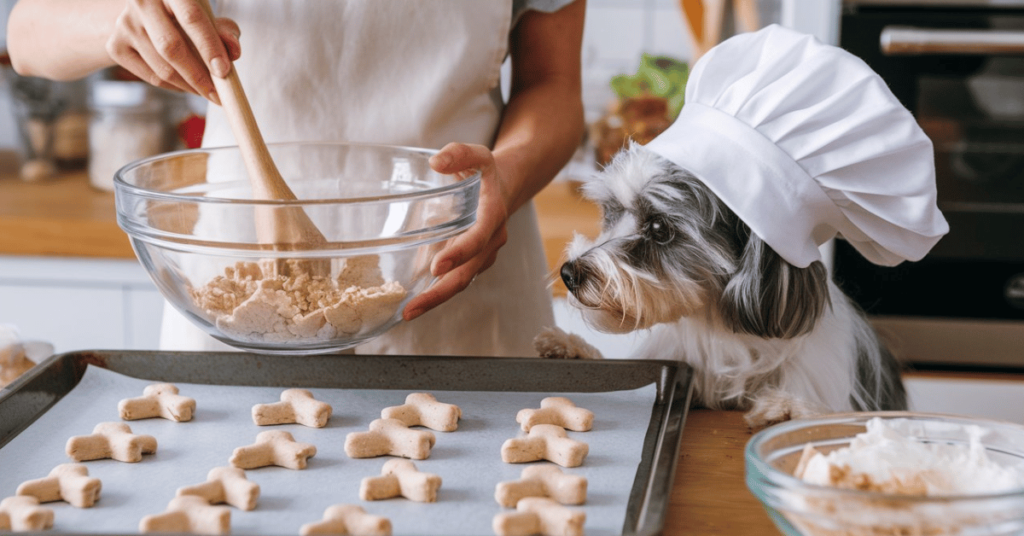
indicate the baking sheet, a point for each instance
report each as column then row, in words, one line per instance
column 468, row 460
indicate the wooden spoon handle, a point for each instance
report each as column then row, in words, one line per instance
column 267, row 180
column 275, row 225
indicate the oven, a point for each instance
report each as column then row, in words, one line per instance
column 958, row 66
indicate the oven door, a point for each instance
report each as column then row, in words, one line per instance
column 961, row 73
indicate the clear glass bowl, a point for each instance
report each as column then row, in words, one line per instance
column 383, row 213
column 799, row 508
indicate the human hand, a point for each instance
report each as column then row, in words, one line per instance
column 475, row 250
column 174, row 44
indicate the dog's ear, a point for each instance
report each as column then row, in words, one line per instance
column 768, row 297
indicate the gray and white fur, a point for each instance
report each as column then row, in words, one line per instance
column 761, row 334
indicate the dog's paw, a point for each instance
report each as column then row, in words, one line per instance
column 772, row 406
column 553, row 343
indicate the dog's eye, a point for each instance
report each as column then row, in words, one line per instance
column 660, row 231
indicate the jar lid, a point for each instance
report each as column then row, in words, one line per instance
column 136, row 96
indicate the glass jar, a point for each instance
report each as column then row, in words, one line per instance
column 126, row 124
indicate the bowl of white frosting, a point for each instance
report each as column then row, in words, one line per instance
column 201, row 233
column 891, row 473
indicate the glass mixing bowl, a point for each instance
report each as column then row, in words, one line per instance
column 382, row 211
column 800, row 508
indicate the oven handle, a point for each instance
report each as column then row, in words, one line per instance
column 910, row 41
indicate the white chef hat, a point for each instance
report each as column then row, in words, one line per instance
column 804, row 141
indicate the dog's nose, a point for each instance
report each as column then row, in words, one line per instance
column 572, row 275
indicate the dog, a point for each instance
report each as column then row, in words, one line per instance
column 760, row 334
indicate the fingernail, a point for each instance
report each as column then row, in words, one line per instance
column 219, row 67
column 442, row 268
column 443, row 160
column 212, row 96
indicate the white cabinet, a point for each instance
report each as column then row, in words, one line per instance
column 80, row 304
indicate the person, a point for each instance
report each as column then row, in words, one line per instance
column 422, row 74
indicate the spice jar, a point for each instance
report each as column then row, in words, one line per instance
column 127, row 124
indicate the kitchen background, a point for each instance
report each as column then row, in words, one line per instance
column 81, row 302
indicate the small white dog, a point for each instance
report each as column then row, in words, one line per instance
column 760, row 334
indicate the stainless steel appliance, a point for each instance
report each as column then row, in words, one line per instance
column 958, row 65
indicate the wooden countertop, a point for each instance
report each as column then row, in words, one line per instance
column 709, row 492
column 64, row 216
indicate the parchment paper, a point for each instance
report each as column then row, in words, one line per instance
column 468, row 460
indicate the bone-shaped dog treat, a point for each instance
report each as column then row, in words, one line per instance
column 110, row 440
column 68, row 482
column 158, row 400
column 348, row 519
column 189, row 514
column 559, row 411
column 538, row 515
column 545, row 442
column 422, row 409
column 226, row 485
column 296, row 406
column 22, row 513
column 274, row 447
column 389, row 437
column 542, row 481
column 13, row 361
column 400, row 478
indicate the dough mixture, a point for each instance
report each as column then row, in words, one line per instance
column 248, row 305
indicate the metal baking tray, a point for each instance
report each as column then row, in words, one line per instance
column 33, row 394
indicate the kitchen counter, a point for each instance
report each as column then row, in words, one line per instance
column 709, row 493
column 64, row 216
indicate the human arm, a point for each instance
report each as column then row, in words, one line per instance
column 540, row 129
column 168, row 43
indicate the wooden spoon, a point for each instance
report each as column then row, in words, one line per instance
column 281, row 228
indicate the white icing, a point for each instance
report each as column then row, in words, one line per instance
column 890, row 454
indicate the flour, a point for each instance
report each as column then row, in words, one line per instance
column 250, row 306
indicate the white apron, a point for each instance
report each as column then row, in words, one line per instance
column 417, row 74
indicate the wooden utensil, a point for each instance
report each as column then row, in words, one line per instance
column 704, row 19
column 280, row 228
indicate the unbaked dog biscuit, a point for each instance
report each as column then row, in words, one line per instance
column 13, row 361
column 400, row 478
column 158, row 400
column 274, row 447
column 538, row 515
column 111, row 440
column 545, row 442
column 422, row 409
column 389, row 437
column 542, row 481
column 189, row 514
column 226, row 485
column 296, row 406
column 68, row 482
column 559, row 411
column 22, row 513
column 348, row 519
